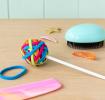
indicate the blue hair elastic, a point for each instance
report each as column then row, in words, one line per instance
column 30, row 53
column 24, row 70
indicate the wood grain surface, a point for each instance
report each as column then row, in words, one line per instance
column 76, row 85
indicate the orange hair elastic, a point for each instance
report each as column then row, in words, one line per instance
column 85, row 54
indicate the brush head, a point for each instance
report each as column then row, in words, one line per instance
column 85, row 45
column 85, row 36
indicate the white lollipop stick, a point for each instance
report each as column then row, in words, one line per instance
column 76, row 67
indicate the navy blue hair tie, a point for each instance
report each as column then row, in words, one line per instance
column 24, row 70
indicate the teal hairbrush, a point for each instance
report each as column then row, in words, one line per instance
column 85, row 36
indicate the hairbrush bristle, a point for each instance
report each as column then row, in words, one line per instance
column 85, row 45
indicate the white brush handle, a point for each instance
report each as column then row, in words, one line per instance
column 76, row 67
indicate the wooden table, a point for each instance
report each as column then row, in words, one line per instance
column 77, row 86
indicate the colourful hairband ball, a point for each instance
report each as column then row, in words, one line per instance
column 34, row 51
